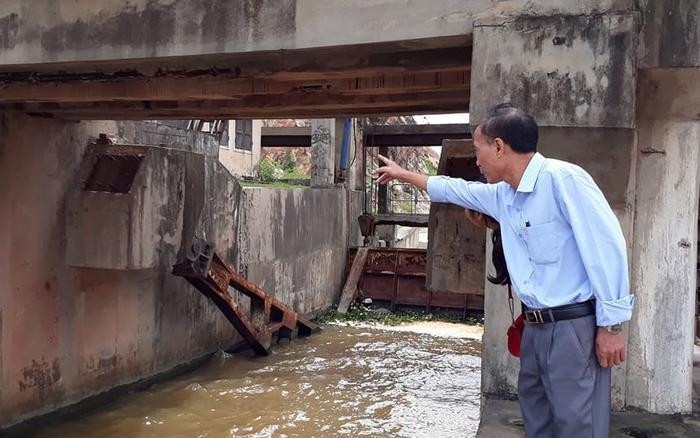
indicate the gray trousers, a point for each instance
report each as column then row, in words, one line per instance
column 563, row 392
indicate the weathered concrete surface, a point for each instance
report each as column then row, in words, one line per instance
column 565, row 70
column 669, row 93
column 111, row 230
column 323, row 145
column 664, row 257
column 502, row 419
column 167, row 133
column 90, row 30
column 68, row 333
column 51, row 31
column 499, row 372
column 455, row 246
column 671, row 33
column 293, row 243
column 605, row 153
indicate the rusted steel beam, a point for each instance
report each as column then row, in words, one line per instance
column 212, row 276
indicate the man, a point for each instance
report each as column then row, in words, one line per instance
column 567, row 261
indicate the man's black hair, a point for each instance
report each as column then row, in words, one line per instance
column 512, row 125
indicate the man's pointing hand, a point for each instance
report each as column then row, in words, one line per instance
column 392, row 171
column 389, row 171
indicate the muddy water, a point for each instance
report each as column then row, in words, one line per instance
column 344, row 381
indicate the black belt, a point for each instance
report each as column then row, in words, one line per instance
column 560, row 313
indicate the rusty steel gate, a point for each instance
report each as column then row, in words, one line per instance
column 397, row 276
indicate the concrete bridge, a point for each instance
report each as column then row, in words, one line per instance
column 614, row 85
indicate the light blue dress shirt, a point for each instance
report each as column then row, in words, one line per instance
column 562, row 241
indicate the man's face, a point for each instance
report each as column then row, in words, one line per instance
column 487, row 156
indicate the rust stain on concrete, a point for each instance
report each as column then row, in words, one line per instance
column 40, row 375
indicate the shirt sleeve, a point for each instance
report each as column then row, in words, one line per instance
column 602, row 247
column 468, row 194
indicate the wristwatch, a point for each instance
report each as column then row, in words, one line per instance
column 615, row 329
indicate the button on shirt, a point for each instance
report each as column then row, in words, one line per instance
column 562, row 241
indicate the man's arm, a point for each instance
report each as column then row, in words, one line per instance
column 468, row 194
column 604, row 254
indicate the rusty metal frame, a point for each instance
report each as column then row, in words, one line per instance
column 397, row 276
column 267, row 317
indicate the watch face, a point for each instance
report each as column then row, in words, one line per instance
column 615, row 329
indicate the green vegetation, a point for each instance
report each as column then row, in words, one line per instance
column 266, row 170
column 288, row 164
column 362, row 313
column 271, row 171
column 429, row 166
column 403, row 207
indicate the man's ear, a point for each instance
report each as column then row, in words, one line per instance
column 500, row 147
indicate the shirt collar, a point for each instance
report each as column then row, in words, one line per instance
column 532, row 171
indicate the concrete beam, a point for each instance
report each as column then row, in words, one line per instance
column 565, row 70
column 254, row 107
column 85, row 31
column 98, row 30
column 224, row 86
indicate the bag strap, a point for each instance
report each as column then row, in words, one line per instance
column 511, row 304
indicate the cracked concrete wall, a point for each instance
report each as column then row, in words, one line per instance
column 70, row 333
column 291, row 245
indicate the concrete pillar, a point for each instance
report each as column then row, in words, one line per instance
column 577, row 75
column 499, row 375
column 664, row 256
column 322, row 152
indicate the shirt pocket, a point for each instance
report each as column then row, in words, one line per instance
column 544, row 242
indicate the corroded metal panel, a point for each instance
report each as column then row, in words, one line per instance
column 456, row 248
column 397, row 276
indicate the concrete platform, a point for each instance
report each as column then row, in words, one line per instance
column 501, row 419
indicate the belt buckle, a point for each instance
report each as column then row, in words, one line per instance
column 536, row 315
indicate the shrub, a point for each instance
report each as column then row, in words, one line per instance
column 266, row 170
